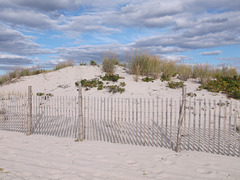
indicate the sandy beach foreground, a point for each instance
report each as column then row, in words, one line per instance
column 46, row 157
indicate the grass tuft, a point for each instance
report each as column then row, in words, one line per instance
column 109, row 62
column 64, row 64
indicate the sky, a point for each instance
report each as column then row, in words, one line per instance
column 43, row 33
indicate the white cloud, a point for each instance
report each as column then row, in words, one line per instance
column 8, row 59
column 209, row 53
column 13, row 41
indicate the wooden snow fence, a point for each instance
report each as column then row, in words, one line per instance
column 178, row 124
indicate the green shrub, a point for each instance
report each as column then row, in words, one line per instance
column 224, row 84
column 49, row 95
column 90, row 83
column 109, row 62
column 93, row 63
column 40, row 94
column 164, row 78
column 100, row 87
column 77, row 83
column 64, row 64
column 115, row 89
column 175, row 85
column 83, row 64
column 191, row 94
column 110, row 77
column 122, row 84
column 147, row 79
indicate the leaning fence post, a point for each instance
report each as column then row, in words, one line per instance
column 181, row 117
column 29, row 114
column 80, row 114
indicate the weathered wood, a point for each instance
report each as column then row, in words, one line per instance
column 170, row 138
column 199, row 125
column 180, row 121
column 141, row 122
column 189, row 120
column 209, row 125
column 80, row 114
column 204, row 125
column 166, row 125
column 219, row 124
column 29, row 115
column 136, row 129
column 194, row 123
column 153, row 143
column 235, row 130
column 157, row 136
column 214, row 125
column 229, row 127
column 162, row 144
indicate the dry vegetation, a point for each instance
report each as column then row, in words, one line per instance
column 19, row 72
column 109, row 62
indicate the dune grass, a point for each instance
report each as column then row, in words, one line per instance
column 64, row 64
column 109, row 61
column 203, row 72
column 184, row 71
column 143, row 64
column 20, row 72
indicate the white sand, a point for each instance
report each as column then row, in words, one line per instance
column 46, row 157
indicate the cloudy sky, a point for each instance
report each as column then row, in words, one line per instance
column 45, row 32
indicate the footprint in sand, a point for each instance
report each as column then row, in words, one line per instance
column 203, row 171
column 26, row 174
column 130, row 162
column 56, row 176
column 169, row 162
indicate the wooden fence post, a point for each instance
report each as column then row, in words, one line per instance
column 80, row 115
column 29, row 113
column 180, row 120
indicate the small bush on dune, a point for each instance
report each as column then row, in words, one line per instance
column 83, row 64
column 224, row 84
column 147, row 79
column 93, row 63
column 122, row 84
column 90, row 83
column 141, row 63
column 185, row 72
column 164, row 78
column 110, row 77
column 168, row 68
column 114, row 89
column 64, row 64
column 175, row 85
column 204, row 72
column 100, row 87
column 225, row 71
column 109, row 62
